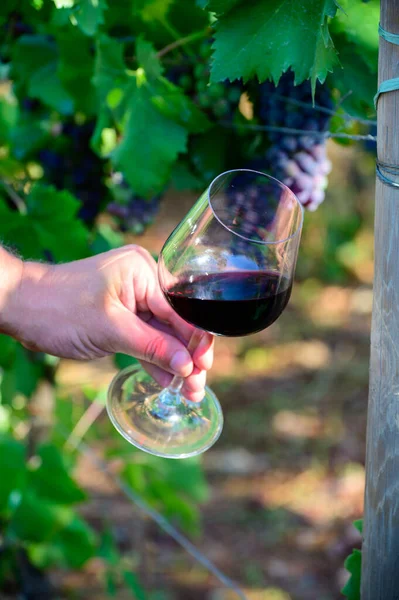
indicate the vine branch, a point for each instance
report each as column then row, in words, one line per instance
column 183, row 41
column 320, row 134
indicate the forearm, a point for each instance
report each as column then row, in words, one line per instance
column 11, row 270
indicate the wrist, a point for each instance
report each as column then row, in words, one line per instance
column 11, row 270
column 17, row 296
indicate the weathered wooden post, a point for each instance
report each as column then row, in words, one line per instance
column 380, row 567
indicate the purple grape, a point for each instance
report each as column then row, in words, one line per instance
column 299, row 161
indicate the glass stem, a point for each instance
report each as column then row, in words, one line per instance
column 172, row 392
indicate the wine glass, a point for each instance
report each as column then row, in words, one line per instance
column 228, row 269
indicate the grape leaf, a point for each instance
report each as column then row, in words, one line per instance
column 76, row 542
column 7, row 351
column 148, row 59
column 52, row 468
column 356, row 82
column 12, row 468
column 360, row 27
column 89, row 15
column 76, row 67
column 34, row 67
column 37, row 520
column 109, row 71
column 8, row 117
column 50, row 224
column 134, row 584
column 359, row 525
column 53, row 215
column 22, row 376
column 221, row 6
column 272, row 37
column 167, row 97
column 153, row 10
column 150, row 144
column 354, row 565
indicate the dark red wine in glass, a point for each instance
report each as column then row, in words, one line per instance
column 227, row 268
column 233, row 303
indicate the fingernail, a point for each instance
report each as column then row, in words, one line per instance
column 180, row 362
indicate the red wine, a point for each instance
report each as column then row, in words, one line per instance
column 233, row 303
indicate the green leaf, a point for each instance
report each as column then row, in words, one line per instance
column 221, row 7
column 35, row 520
column 354, row 565
column 8, row 117
column 153, row 10
column 185, row 476
column 110, row 583
column 52, row 469
column 134, row 585
column 208, row 153
column 106, row 239
column 52, row 214
column 123, row 360
column 148, row 59
column 109, row 70
column 8, row 348
column 360, row 27
column 34, row 67
column 76, row 542
column 89, row 15
column 272, row 37
column 108, row 550
column 22, row 377
column 355, row 81
column 150, row 144
column 171, row 101
column 184, row 179
column 27, row 137
column 359, row 525
column 75, row 69
column 12, row 469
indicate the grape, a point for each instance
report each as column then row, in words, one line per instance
column 134, row 213
column 218, row 100
column 71, row 164
column 299, row 161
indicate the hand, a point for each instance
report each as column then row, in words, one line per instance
column 105, row 304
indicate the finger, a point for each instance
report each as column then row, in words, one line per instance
column 193, row 391
column 163, row 378
column 203, row 353
column 196, row 382
column 135, row 337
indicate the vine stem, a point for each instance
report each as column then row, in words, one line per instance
column 85, row 422
column 329, row 111
column 17, row 200
column 183, row 41
column 150, row 512
column 289, row 130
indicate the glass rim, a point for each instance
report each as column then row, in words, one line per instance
column 280, row 183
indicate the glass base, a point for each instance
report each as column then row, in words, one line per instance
column 161, row 422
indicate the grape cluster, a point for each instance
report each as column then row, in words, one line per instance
column 134, row 213
column 69, row 163
column 299, row 161
column 218, row 100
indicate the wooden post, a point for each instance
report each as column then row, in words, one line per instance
column 380, row 566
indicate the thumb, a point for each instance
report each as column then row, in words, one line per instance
column 137, row 338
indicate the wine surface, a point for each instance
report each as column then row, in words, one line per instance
column 231, row 303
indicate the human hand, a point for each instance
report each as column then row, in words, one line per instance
column 108, row 303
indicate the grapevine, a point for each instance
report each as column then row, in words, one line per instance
column 298, row 161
